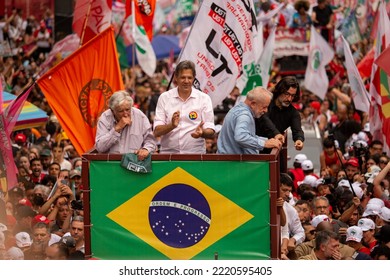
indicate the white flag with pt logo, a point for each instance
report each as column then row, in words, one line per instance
column 320, row 54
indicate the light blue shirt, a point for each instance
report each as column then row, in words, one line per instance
column 238, row 133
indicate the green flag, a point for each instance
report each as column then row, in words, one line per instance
column 122, row 54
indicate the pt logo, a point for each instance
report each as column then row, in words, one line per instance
column 193, row 115
column 316, row 59
column 253, row 73
column 91, row 97
column 179, row 216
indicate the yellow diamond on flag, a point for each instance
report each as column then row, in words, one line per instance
column 179, row 215
column 385, row 100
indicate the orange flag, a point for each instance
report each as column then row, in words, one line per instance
column 78, row 89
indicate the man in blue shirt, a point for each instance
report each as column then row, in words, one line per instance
column 237, row 135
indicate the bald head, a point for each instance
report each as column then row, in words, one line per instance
column 324, row 225
column 342, row 112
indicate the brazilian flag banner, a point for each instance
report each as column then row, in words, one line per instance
column 183, row 210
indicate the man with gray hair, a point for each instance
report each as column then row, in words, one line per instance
column 124, row 129
column 237, row 135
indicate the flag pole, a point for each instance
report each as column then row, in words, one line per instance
column 85, row 23
column 133, row 34
column 123, row 22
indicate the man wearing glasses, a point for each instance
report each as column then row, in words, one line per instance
column 282, row 113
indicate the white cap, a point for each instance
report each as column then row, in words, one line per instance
column 14, row 253
column 384, row 214
column 310, row 180
column 370, row 175
column 375, row 169
column 354, row 233
column 307, row 164
column 371, row 210
column 357, row 189
column 299, row 158
column 23, row 239
column 376, row 201
column 3, row 227
column 343, row 183
column 318, row 219
column 363, row 136
column 366, row 224
column 54, row 238
column 320, row 181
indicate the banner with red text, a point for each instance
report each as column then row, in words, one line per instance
column 220, row 43
column 91, row 17
column 292, row 42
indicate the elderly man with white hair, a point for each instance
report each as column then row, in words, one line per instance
column 124, row 129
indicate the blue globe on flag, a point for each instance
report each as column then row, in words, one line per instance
column 179, row 215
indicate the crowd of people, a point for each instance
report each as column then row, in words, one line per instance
column 338, row 212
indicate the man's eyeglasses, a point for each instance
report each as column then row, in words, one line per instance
column 287, row 94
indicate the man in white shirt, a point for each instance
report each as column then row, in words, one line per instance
column 184, row 115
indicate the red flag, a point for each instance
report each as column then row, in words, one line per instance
column 91, row 17
column 144, row 14
column 379, row 114
column 335, row 80
column 7, row 165
column 383, row 60
column 78, row 89
column 374, row 28
column 12, row 112
column 8, row 119
column 365, row 65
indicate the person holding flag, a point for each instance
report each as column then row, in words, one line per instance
column 184, row 115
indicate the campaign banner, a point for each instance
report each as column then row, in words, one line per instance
column 350, row 30
column 221, row 43
column 182, row 210
column 291, row 42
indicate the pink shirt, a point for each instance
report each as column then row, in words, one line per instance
column 196, row 108
column 132, row 138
